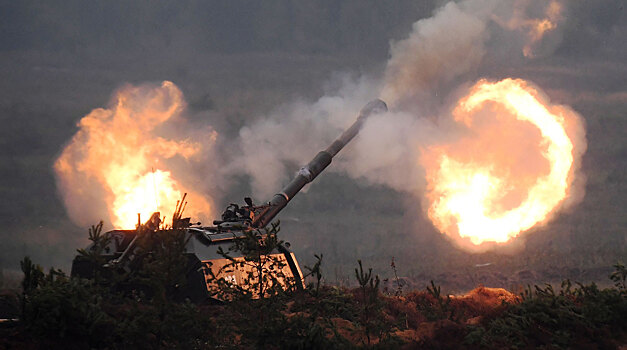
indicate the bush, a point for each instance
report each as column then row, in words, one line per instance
column 78, row 313
column 62, row 308
column 574, row 316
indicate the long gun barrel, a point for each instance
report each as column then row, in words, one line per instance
column 309, row 172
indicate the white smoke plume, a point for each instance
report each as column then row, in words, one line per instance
column 440, row 54
column 425, row 75
column 438, row 50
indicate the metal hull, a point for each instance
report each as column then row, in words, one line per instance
column 202, row 256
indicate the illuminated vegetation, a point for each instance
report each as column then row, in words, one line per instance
column 79, row 313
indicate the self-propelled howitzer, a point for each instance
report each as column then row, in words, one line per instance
column 205, row 264
column 310, row 171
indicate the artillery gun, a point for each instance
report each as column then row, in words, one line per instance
column 202, row 242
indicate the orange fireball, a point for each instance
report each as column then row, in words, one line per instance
column 510, row 172
column 118, row 155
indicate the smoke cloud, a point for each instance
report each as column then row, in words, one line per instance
column 426, row 74
column 424, row 77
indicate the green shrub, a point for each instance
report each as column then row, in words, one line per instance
column 62, row 308
column 574, row 316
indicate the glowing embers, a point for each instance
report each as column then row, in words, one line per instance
column 511, row 169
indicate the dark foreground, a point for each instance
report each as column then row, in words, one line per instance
column 60, row 312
